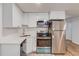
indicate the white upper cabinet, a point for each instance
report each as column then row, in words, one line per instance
column 0, row 15
column 17, row 16
column 12, row 15
column 43, row 16
column 57, row 15
column 7, row 15
column 31, row 19
column 0, row 20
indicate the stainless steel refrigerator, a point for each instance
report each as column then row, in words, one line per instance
column 58, row 36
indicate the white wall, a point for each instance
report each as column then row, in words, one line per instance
column 68, row 31
column 73, row 30
column 9, row 31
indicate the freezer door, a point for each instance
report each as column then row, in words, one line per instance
column 58, row 25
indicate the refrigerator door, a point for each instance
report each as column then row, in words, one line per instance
column 58, row 42
column 58, row 25
column 58, row 37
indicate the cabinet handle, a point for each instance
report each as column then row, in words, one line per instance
column 25, row 35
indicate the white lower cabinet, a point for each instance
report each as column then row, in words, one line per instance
column 31, row 42
column 10, row 50
column 31, row 19
column 28, row 45
column 12, row 15
column 13, row 49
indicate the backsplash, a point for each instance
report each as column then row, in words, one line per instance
column 9, row 31
column 42, row 30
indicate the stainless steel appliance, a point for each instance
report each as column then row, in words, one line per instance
column 58, row 36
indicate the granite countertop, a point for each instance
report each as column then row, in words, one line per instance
column 12, row 39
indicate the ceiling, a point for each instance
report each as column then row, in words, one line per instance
column 72, row 9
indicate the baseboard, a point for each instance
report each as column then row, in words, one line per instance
column 58, row 53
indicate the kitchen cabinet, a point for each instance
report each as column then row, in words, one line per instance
column 30, row 40
column 10, row 50
column 28, row 45
column 0, row 15
column 12, row 16
column 0, row 20
column 43, row 16
column 0, row 50
column 57, row 15
column 31, row 19
column 12, row 46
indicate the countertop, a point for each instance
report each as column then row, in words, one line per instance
column 12, row 39
column 43, row 37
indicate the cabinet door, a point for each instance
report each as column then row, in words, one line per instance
column 0, row 20
column 31, row 41
column 7, row 15
column 57, row 15
column 12, row 16
column 17, row 16
column 42, row 16
column 32, row 20
column 10, row 50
